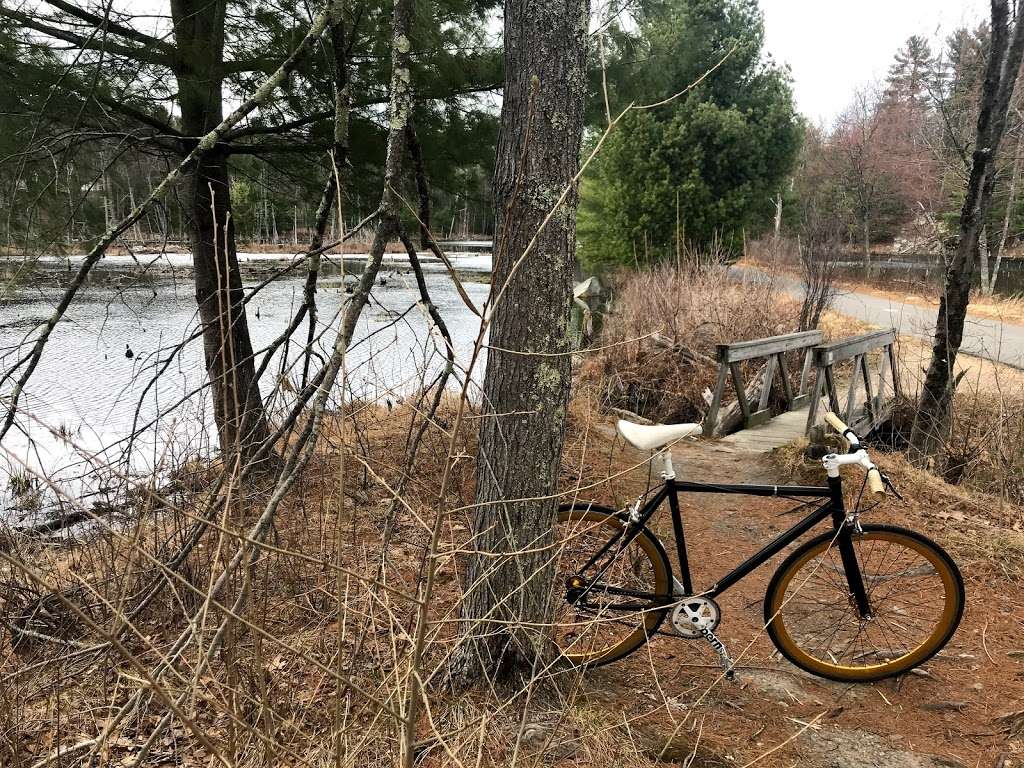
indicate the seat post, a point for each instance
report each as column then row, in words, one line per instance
column 668, row 472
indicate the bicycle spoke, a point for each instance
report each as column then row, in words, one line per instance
column 908, row 596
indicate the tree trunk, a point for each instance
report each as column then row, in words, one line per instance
column 508, row 580
column 422, row 185
column 1011, row 201
column 237, row 405
column 867, row 245
column 983, row 254
column 932, row 424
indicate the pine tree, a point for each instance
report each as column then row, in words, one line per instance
column 912, row 75
column 706, row 166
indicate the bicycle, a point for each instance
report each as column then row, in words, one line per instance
column 855, row 603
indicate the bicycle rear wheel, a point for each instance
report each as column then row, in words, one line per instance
column 916, row 597
column 610, row 608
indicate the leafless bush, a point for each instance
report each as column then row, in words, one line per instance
column 983, row 446
column 818, row 251
column 697, row 305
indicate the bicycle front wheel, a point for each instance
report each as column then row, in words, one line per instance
column 613, row 590
column 915, row 594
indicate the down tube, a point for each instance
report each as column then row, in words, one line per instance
column 771, row 549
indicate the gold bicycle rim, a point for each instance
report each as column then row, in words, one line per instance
column 872, row 671
column 651, row 618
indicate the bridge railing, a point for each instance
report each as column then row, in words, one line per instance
column 752, row 399
column 880, row 386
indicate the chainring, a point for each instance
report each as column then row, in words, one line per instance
column 696, row 616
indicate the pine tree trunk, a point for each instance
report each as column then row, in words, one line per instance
column 508, row 581
column 237, row 405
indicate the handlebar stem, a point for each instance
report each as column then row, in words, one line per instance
column 833, row 461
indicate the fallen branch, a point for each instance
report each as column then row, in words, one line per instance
column 688, row 354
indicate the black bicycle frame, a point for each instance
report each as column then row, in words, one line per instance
column 833, row 507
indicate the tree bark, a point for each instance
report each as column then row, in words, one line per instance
column 932, row 424
column 230, row 365
column 508, row 579
column 422, row 185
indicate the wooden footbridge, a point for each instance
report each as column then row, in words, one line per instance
column 777, row 389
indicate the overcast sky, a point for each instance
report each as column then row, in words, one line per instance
column 836, row 46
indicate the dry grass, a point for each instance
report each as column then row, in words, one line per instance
column 985, row 447
column 308, row 670
column 982, row 529
column 276, row 692
column 695, row 305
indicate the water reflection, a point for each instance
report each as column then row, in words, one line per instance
column 98, row 375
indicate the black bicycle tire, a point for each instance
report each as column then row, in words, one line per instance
column 800, row 551
column 653, row 539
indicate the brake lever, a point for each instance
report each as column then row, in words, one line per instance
column 891, row 487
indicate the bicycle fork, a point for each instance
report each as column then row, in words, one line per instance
column 847, row 555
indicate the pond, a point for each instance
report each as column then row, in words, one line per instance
column 95, row 379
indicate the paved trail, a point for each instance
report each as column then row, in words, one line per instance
column 983, row 337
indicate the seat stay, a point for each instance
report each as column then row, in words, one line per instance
column 631, row 529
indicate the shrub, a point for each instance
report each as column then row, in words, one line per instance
column 695, row 304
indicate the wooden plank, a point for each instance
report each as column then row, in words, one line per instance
column 836, row 352
column 746, row 350
column 783, row 429
column 870, row 406
column 815, row 404
column 767, row 381
column 787, row 387
column 863, row 425
column 741, row 393
column 711, row 418
column 759, row 417
column 830, row 389
column 883, row 361
column 805, row 374
column 894, row 370
column 851, row 393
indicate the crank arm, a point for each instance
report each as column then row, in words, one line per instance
column 718, row 647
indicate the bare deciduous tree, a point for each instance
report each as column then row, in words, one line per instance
column 1007, row 47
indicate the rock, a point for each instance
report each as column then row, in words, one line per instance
column 778, row 685
column 679, row 748
column 839, row 748
column 944, row 706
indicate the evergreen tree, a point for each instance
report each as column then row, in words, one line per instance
column 913, row 73
column 704, row 166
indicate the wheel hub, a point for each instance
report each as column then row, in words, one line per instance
column 574, row 589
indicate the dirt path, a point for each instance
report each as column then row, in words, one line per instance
column 948, row 714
